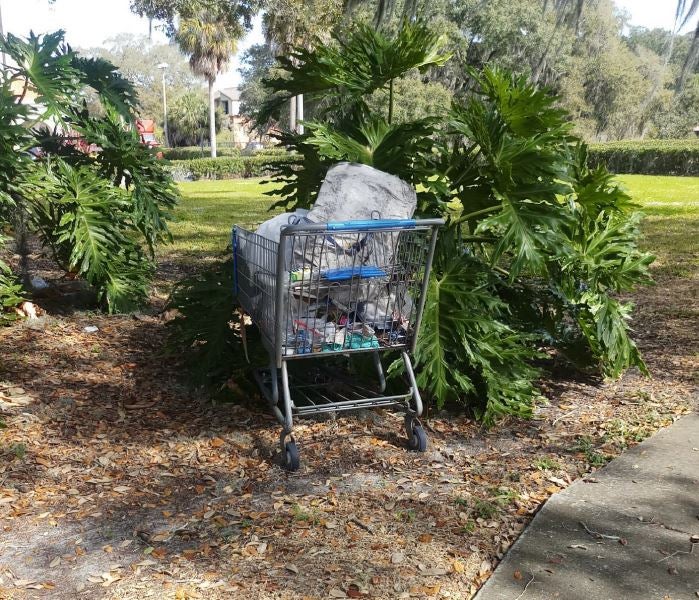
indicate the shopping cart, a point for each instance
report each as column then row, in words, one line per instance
column 329, row 289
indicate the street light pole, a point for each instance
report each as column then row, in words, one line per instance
column 163, row 67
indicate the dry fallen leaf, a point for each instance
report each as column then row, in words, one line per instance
column 353, row 591
column 425, row 538
column 485, row 567
column 458, row 567
column 397, row 558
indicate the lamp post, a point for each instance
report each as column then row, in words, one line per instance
column 163, row 67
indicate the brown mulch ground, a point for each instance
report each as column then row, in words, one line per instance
column 118, row 482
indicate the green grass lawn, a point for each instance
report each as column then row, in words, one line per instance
column 208, row 211
column 671, row 226
column 210, row 208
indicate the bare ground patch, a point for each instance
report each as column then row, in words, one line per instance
column 116, row 481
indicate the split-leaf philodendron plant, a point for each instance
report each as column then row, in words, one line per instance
column 537, row 245
column 96, row 197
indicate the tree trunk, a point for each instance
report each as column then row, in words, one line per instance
column 2, row 34
column 212, row 118
column 390, row 102
column 299, row 113
column 292, row 114
column 689, row 62
column 21, row 243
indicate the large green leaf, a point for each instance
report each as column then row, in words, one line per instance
column 207, row 328
column 113, row 88
column 466, row 352
column 84, row 220
column 44, row 67
column 508, row 168
column 124, row 160
column 347, row 70
column 397, row 149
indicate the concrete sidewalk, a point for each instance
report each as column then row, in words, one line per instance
column 641, row 511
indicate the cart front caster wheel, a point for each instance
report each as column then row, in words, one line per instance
column 291, row 457
column 417, row 438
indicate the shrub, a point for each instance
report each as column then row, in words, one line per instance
column 192, row 152
column 536, row 248
column 654, row 157
column 10, row 294
column 262, row 164
column 99, row 213
column 229, row 167
column 276, row 151
column 215, row 168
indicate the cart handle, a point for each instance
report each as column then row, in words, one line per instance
column 361, row 225
column 370, row 224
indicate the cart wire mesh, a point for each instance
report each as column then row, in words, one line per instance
column 337, row 288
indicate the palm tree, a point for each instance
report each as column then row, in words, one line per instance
column 210, row 42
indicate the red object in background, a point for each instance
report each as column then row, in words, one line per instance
column 146, row 131
column 76, row 139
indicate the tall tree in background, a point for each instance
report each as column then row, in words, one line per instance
column 232, row 13
column 615, row 81
column 210, row 42
column 684, row 13
column 137, row 60
column 290, row 23
column 189, row 120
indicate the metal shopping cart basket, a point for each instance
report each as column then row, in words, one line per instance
column 327, row 289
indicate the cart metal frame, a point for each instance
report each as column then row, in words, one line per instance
column 272, row 293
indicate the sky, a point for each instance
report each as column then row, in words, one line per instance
column 91, row 22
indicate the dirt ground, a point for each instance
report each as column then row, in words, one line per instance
column 118, row 482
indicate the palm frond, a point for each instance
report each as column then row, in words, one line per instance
column 684, row 11
column 209, row 41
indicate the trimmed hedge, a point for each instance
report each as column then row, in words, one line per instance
column 192, row 152
column 654, row 157
column 256, row 165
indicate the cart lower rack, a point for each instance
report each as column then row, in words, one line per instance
column 329, row 289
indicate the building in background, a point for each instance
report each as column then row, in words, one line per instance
column 237, row 126
column 229, row 101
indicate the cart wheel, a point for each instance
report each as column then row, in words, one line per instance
column 291, row 457
column 417, row 438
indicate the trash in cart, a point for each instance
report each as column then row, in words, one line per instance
column 348, row 276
